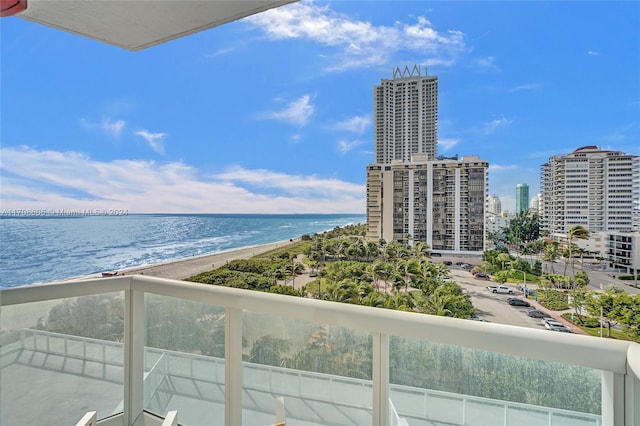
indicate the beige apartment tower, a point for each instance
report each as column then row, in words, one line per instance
column 440, row 202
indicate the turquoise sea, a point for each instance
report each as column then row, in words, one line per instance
column 41, row 249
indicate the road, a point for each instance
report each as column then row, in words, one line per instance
column 494, row 307
column 597, row 276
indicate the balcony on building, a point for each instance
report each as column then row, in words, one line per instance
column 134, row 348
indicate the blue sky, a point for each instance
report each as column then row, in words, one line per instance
column 273, row 113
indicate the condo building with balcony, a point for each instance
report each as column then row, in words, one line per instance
column 405, row 116
column 494, row 205
column 534, row 205
column 412, row 194
column 440, row 202
column 597, row 189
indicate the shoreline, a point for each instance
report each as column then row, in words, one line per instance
column 25, row 316
column 180, row 269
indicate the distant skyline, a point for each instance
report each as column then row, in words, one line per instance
column 273, row 113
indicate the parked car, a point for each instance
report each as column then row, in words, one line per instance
column 477, row 318
column 483, row 275
column 499, row 289
column 559, row 327
column 448, row 262
column 534, row 313
column 517, row 302
column 549, row 322
column 459, row 263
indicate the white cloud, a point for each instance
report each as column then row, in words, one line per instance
column 447, row 143
column 357, row 124
column 593, row 53
column 620, row 134
column 354, row 43
column 495, row 124
column 527, row 86
column 487, row 63
column 501, row 168
column 346, row 146
column 219, row 52
column 35, row 179
column 153, row 139
column 113, row 128
column 297, row 112
column 291, row 184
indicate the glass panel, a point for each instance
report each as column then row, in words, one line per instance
column 440, row 383
column 65, row 357
column 322, row 373
column 184, row 360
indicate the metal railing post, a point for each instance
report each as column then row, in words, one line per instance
column 612, row 398
column 134, row 356
column 233, row 367
column 380, row 379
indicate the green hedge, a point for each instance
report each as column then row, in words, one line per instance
column 553, row 299
column 589, row 322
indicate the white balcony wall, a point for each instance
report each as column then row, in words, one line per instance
column 394, row 367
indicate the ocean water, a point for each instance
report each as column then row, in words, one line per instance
column 42, row 249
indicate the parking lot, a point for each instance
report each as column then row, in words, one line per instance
column 494, row 307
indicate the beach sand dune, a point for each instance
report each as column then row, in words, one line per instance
column 185, row 268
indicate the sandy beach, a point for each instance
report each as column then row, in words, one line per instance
column 184, row 268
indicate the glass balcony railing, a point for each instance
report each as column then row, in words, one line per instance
column 135, row 348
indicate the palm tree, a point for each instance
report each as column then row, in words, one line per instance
column 374, row 300
column 550, row 255
column 406, row 268
column 581, row 233
column 577, row 232
column 502, row 258
column 372, row 272
column 400, row 302
column 372, row 250
column 294, row 269
column 420, row 249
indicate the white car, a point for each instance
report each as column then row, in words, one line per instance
column 550, row 322
column 499, row 289
column 559, row 327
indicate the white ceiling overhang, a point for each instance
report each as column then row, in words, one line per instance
column 138, row 24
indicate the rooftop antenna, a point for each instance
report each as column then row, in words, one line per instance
column 406, row 72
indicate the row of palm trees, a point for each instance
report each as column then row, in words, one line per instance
column 551, row 251
column 394, row 275
column 355, row 247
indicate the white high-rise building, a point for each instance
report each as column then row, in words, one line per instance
column 535, row 203
column 494, row 206
column 405, row 116
column 595, row 188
